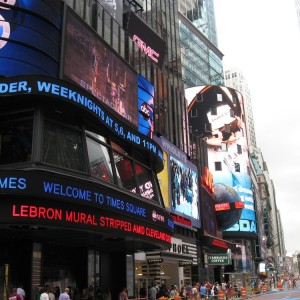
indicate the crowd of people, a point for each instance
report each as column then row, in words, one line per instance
column 47, row 292
column 204, row 290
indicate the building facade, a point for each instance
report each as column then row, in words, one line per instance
column 78, row 161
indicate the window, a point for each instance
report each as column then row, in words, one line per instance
column 218, row 166
column 227, row 128
column 224, row 146
column 99, row 159
column 63, row 147
column 16, row 138
column 194, row 113
column 231, row 113
column 125, row 175
column 239, row 149
column 199, row 97
column 219, row 97
column 213, row 111
column 208, row 127
column 237, row 167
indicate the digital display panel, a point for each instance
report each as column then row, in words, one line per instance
column 181, row 177
column 87, row 196
column 146, row 39
column 45, row 213
column 73, row 95
column 220, row 118
column 30, row 37
column 145, row 106
column 93, row 65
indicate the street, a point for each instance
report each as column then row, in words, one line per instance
column 291, row 294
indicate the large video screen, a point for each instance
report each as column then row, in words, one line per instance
column 93, row 65
column 218, row 114
column 179, row 183
column 30, row 34
column 145, row 106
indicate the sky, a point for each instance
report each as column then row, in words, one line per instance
column 262, row 39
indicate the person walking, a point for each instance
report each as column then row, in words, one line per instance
column 14, row 295
column 65, row 295
column 123, row 294
column 21, row 291
column 152, row 292
column 45, row 293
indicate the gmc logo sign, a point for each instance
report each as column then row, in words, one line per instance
column 146, row 49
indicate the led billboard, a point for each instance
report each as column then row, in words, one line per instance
column 93, row 65
column 218, row 114
column 179, row 183
column 145, row 106
column 30, row 34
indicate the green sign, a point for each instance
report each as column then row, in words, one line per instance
column 218, row 259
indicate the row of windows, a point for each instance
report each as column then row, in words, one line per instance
column 79, row 149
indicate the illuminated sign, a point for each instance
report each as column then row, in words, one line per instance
column 67, row 190
column 59, row 89
column 70, row 216
column 183, row 263
column 146, row 49
column 146, row 39
column 229, row 206
column 218, row 259
column 145, row 106
column 222, row 206
column 219, row 243
column 30, row 37
column 181, row 220
column 155, row 261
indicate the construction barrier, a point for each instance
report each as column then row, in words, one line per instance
column 264, row 289
column 243, row 292
column 220, row 295
column 279, row 285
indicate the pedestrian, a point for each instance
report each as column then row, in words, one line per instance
column 51, row 294
column 152, row 292
column 194, row 294
column 203, row 291
column 45, row 293
column 65, row 295
column 14, row 295
column 106, row 294
column 123, row 294
column 21, row 291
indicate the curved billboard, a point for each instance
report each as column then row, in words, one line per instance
column 217, row 113
column 30, row 37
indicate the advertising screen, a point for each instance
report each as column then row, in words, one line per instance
column 64, row 192
column 90, row 63
column 145, row 106
column 221, row 110
column 181, row 178
column 30, row 37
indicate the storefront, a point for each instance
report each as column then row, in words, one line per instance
column 168, row 267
